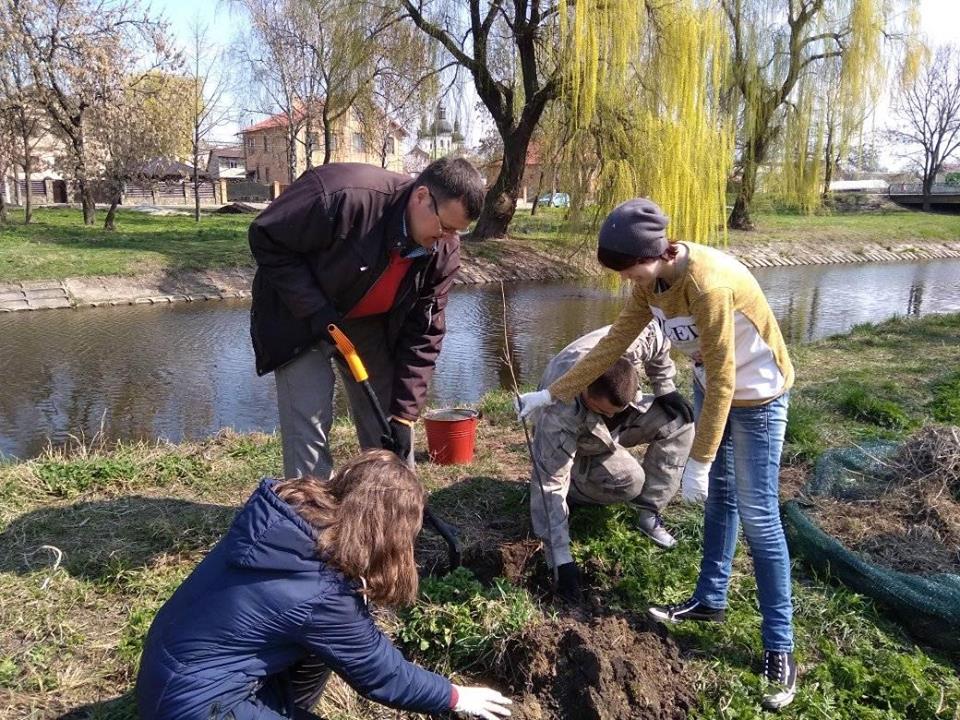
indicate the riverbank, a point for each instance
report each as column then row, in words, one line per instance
column 94, row 540
column 57, row 263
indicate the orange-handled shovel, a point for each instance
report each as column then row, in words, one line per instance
column 448, row 532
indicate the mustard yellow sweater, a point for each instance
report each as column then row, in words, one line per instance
column 716, row 314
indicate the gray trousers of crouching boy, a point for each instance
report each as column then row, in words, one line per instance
column 607, row 477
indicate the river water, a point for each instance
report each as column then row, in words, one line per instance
column 186, row 370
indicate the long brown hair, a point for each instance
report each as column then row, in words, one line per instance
column 367, row 516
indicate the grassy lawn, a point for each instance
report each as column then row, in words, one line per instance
column 885, row 228
column 57, row 245
column 91, row 543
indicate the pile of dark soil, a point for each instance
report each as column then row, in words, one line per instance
column 515, row 560
column 600, row 668
column 909, row 519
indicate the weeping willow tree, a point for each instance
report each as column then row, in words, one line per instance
column 798, row 67
column 643, row 96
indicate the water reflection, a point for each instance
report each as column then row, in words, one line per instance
column 184, row 371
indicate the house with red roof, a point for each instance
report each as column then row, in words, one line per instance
column 266, row 144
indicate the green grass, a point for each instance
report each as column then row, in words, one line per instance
column 57, row 245
column 875, row 382
column 859, row 403
column 459, row 625
column 93, row 542
column 893, row 228
column 855, row 662
column 946, row 399
column 897, row 226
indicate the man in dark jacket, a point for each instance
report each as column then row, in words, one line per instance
column 376, row 253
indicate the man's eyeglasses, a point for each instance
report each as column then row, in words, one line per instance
column 446, row 231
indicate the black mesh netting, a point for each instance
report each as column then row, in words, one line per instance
column 928, row 605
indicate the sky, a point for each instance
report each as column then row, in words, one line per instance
column 939, row 20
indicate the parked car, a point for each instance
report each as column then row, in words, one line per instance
column 558, row 200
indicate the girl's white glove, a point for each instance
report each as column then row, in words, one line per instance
column 528, row 402
column 696, row 478
column 481, row 702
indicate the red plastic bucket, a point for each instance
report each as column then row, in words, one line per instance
column 451, row 435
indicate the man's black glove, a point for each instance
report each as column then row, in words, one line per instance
column 400, row 440
column 320, row 320
column 568, row 583
column 676, row 405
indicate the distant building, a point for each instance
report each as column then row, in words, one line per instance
column 265, row 147
column 167, row 169
column 47, row 183
column 439, row 137
column 870, row 186
column 226, row 162
column 949, row 168
column 415, row 161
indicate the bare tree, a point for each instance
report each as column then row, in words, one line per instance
column 405, row 81
column 929, row 117
column 19, row 109
column 79, row 53
column 317, row 60
column 510, row 51
column 276, row 76
column 208, row 86
column 148, row 120
column 8, row 139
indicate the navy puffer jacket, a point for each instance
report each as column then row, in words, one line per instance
column 259, row 603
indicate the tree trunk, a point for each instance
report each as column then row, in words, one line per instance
column 17, row 200
column 309, row 144
column 87, row 202
column 108, row 223
column 536, row 197
column 828, row 165
column 927, row 192
column 28, row 193
column 740, row 215
column 27, row 169
column 3, row 196
column 196, row 195
column 500, row 204
column 327, row 136
column 291, row 154
column 78, row 140
column 196, row 173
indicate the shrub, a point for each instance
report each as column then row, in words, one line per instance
column 857, row 403
column 459, row 624
column 69, row 478
column 946, row 399
column 803, row 434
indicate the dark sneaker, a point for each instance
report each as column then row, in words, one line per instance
column 690, row 609
column 651, row 525
column 780, row 671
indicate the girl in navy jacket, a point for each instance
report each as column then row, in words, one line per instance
column 281, row 601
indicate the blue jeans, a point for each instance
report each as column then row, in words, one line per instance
column 744, row 486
